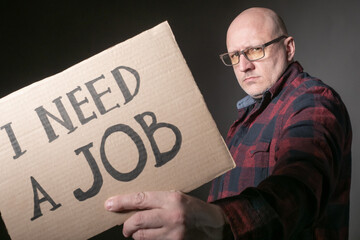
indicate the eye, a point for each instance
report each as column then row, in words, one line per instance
column 254, row 53
column 234, row 55
column 254, row 50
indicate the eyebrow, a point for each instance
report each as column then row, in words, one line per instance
column 245, row 48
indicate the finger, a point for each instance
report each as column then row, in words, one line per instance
column 136, row 201
column 147, row 219
column 149, row 234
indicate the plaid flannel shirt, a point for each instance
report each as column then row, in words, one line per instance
column 293, row 163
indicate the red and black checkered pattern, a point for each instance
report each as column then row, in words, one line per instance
column 293, row 155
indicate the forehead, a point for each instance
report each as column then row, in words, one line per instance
column 248, row 31
column 245, row 38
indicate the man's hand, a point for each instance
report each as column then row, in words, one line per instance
column 168, row 215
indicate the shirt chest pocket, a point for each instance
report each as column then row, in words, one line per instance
column 261, row 137
column 260, row 154
column 260, row 159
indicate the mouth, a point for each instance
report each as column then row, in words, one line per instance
column 250, row 78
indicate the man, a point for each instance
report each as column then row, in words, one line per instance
column 291, row 144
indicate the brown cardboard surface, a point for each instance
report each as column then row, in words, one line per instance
column 115, row 112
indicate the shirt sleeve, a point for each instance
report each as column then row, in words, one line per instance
column 309, row 152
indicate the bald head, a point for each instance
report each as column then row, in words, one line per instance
column 263, row 20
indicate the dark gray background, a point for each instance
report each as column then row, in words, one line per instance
column 40, row 40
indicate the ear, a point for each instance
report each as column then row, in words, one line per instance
column 290, row 48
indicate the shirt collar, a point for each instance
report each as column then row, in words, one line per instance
column 245, row 102
column 287, row 77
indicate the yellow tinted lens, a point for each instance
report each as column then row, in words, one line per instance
column 254, row 53
column 234, row 57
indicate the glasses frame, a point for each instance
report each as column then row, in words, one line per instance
column 263, row 46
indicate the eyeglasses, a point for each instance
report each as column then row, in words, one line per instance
column 251, row 53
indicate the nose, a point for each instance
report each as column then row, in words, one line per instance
column 244, row 64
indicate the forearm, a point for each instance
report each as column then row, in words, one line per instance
column 277, row 209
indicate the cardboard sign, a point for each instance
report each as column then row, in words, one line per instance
column 128, row 119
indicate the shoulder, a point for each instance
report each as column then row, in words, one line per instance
column 310, row 99
column 308, row 91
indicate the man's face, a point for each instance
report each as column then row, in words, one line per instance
column 258, row 76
